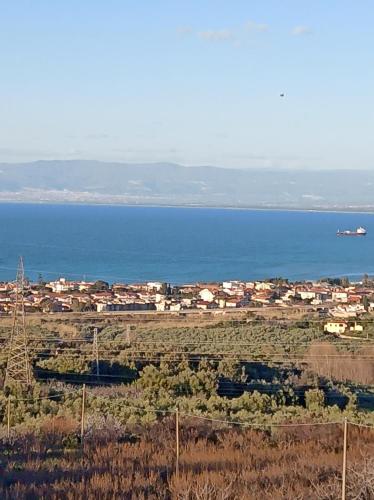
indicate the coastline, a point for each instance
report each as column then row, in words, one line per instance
column 253, row 208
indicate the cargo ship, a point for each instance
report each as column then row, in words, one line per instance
column 360, row 231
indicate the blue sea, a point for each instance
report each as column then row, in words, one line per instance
column 180, row 245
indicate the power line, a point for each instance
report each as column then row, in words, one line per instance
column 218, row 315
column 252, row 424
column 191, row 355
column 199, row 342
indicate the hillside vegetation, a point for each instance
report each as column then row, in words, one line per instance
column 233, row 382
column 167, row 183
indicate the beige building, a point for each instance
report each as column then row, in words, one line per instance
column 341, row 327
column 339, row 296
column 335, row 327
column 206, row 295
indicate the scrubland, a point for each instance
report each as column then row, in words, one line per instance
column 255, row 375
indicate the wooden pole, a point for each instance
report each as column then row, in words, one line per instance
column 97, row 365
column 344, row 472
column 8, row 418
column 177, row 442
column 83, row 410
column 96, row 353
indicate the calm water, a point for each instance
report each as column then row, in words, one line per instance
column 180, row 245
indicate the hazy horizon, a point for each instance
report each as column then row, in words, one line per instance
column 183, row 165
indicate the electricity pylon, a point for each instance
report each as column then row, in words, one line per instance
column 18, row 369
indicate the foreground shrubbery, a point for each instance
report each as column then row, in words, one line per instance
column 133, row 462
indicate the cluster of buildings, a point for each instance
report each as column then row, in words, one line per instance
column 73, row 296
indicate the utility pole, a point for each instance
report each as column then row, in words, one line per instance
column 83, row 411
column 18, row 367
column 95, row 352
column 344, row 473
column 177, row 442
column 8, row 418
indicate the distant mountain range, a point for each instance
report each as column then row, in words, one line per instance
column 87, row 181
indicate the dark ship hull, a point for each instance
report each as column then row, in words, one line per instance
column 350, row 233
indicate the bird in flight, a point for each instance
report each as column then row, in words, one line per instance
column 281, row 95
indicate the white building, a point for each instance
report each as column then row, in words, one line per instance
column 263, row 285
column 340, row 296
column 206, row 295
column 338, row 327
column 154, row 286
column 306, row 294
column 62, row 285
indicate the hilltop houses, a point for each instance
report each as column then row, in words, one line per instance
column 63, row 295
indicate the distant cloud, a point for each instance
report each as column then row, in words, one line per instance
column 301, row 31
column 224, row 35
column 256, row 27
column 216, row 35
column 184, row 30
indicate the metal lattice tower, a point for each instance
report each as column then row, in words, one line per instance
column 18, row 368
column 95, row 352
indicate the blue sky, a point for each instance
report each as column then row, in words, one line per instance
column 189, row 81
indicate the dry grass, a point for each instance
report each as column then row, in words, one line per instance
column 355, row 368
column 215, row 463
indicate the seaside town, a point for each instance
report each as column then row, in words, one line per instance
column 330, row 298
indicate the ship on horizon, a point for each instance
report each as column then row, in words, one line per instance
column 360, row 231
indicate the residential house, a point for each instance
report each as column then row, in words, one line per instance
column 206, row 295
column 339, row 296
column 338, row 327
